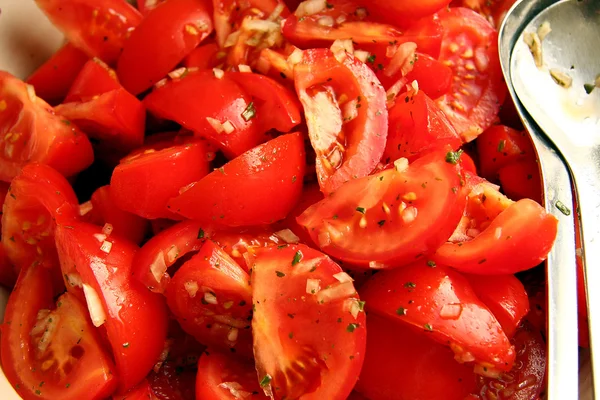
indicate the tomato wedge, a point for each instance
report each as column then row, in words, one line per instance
column 52, row 352
column 135, row 319
column 500, row 146
column 166, row 35
column 272, row 172
column 31, row 131
column 403, row 364
column 470, row 48
column 98, row 28
column 522, row 180
column 391, row 218
column 211, row 298
column 205, row 56
column 309, row 330
column 417, row 125
column 346, row 114
column 94, row 79
column 443, row 305
column 53, row 79
column 145, row 181
column 222, row 377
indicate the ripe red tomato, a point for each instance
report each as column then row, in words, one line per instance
column 37, row 198
column 30, row 131
column 522, row 180
column 272, row 171
column 308, row 318
column 165, row 37
column 223, row 377
column 405, row 12
column 205, row 56
column 346, row 114
column 226, row 119
column 52, row 352
column 403, row 364
column 124, row 224
column 94, row 79
column 356, row 224
column 500, row 146
column 211, row 298
column 441, row 303
column 135, row 319
column 53, row 79
column 311, row 194
column 143, row 391
column 506, row 298
column 417, row 125
column 145, row 181
column 98, row 28
column 145, row 6
column 470, row 48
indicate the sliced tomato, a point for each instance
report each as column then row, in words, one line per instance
column 275, row 106
column 165, row 37
column 391, row 218
column 98, row 28
column 122, row 223
column 145, row 181
column 203, row 57
column 506, row 298
column 173, row 382
column 311, row 194
column 309, row 330
column 223, row 197
column 470, row 48
column 135, row 319
column 145, row 6
column 236, row 243
column 522, row 180
column 94, row 79
column 53, row 79
column 442, row 304
column 211, row 298
column 206, row 116
column 274, row 64
column 52, row 352
column 223, row 377
column 417, row 125
column 346, row 114
column 405, row 12
column 526, row 379
column 143, row 391
column 32, row 132
column 37, row 198
column 500, row 146
column 493, row 10
column 403, row 364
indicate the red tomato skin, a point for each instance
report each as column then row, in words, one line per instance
column 37, row 198
column 405, row 12
column 145, row 6
column 99, row 29
column 215, row 272
column 165, row 37
column 45, row 137
column 136, row 322
column 500, row 146
column 223, row 196
column 311, row 194
column 178, row 101
column 215, row 368
column 442, row 305
column 203, row 57
column 143, row 184
column 506, row 298
column 278, row 107
column 473, row 102
column 403, row 364
column 31, row 294
column 53, row 79
column 522, row 180
column 125, row 224
column 365, row 135
column 116, row 117
column 143, row 391
column 94, row 79
column 417, row 125
column 518, row 239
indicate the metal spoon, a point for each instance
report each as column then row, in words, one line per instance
column 561, row 267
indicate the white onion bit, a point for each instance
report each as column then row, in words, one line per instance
column 95, row 308
column 343, row 277
column 191, row 287
column 287, row 236
column 313, row 286
column 106, row 246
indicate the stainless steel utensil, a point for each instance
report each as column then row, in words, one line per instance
column 561, row 268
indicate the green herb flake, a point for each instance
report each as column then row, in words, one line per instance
column 351, row 327
column 201, row 234
column 589, row 87
column 431, row 263
column 66, row 122
column 452, row 157
column 381, row 223
column 249, row 112
column 563, row 208
column 297, row 258
column 401, row 311
column 501, row 145
column 361, row 210
column 280, row 274
column 266, row 380
column 291, row 335
column 410, row 285
column 428, row 327
column 371, row 59
column 361, row 305
column 328, row 5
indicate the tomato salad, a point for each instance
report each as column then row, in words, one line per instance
column 262, row 199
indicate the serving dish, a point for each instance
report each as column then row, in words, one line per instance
column 27, row 39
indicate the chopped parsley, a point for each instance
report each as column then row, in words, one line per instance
column 371, row 59
column 381, row 223
column 266, row 380
column 280, row 274
column 452, row 157
column 201, row 234
column 431, row 263
column 428, row 327
column 297, row 258
column 501, row 145
column 410, row 285
column 401, row 311
column 351, row 327
column 361, row 210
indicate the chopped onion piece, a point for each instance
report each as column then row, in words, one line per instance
column 336, row 292
column 342, row 45
column 352, row 306
column 235, row 389
column 95, row 307
column 341, row 19
column 498, row 233
column 74, row 279
column 324, row 239
column 85, row 208
column 313, row 286
column 349, row 111
column 376, row 265
column 106, row 246
column 191, row 287
column 451, row 311
column 31, row 92
column 409, row 215
column 230, row 321
column 415, row 86
column 172, row 254
column 163, row 355
column 161, row 83
column 158, row 268
column 401, row 164
column 232, row 336
column 100, row 237
column 343, row 277
column 260, row 25
column 310, row 7
column 219, row 73
column 403, row 59
column 52, row 324
column 295, row 57
column 543, row 30
column 107, row 229
column 228, row 127
column 308, row 265
column 244, row 68
column 178, row 73
column 561, row 78
column 232, row 39
column 216, row 124
column 326, row 21
column 362, row 55
column 287, row 236
column 487, row 370
column 276, row 12
column 210, row 298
